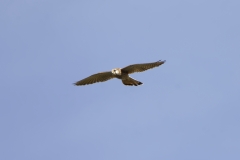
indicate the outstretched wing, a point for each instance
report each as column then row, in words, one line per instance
column 141, row 67
column 99, row 77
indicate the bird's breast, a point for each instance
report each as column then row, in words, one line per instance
column 122, row 76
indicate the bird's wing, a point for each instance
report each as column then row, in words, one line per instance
column 99, row 77
column 141, row 67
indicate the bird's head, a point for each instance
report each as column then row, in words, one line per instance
column 116, row 71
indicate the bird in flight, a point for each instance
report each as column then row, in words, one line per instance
column 120, row 73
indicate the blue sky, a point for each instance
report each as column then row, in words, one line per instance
column 187, row 109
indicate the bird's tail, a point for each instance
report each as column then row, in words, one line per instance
column 131, row 82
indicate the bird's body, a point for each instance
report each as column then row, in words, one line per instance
column 120, row 73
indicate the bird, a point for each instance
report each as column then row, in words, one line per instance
column 120, row 73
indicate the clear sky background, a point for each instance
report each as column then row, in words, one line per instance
column 187, row 109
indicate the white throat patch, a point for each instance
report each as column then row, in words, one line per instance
column 116, row 71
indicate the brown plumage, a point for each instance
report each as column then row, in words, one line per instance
column 119, row 73
column 99, row 77
column 141, row 67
